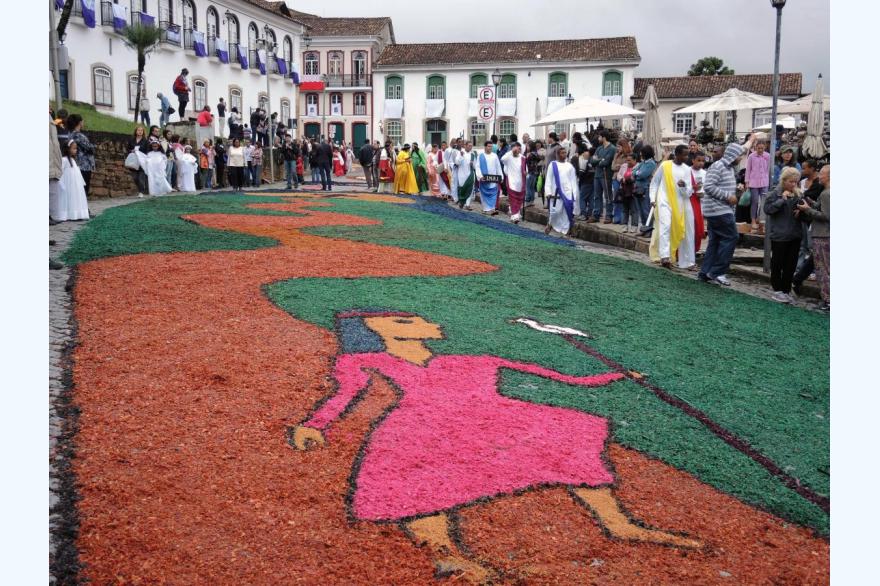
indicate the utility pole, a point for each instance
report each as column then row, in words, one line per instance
column 778, row 5
column 53, row 55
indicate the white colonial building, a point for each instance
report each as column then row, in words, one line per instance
column 675, row 93
column 103, row 71
column 428, row 92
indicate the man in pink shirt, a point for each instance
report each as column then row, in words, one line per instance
column 757, row 179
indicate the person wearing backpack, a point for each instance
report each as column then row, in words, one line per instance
column 181, row 90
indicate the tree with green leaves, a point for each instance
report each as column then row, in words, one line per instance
column 710, row 66
column 143, row 39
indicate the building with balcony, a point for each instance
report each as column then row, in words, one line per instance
column 336, row 93
column 222, row 43
column 674, row 93
column 428, row 92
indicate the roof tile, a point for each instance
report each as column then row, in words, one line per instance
column 610, row 49
column 705, row 86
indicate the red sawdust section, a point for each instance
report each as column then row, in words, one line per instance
column 188, row 376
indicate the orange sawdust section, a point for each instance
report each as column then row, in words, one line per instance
column 375, row 197
column 188, row 378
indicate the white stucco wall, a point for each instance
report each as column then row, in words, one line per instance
column 532, row 83
column 101, row 46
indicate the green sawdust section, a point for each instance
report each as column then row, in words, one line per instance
column 708, row 346
column 154, row 225
column 711, row 347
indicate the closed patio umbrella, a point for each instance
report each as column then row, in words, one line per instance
column 652, row 130
column 813, row 145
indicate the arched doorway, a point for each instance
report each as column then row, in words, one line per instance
column 435, row 131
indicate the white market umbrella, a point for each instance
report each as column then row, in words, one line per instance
column 584, row 108
column 652, row 131
column 803, row 105
column 732, row 99
column 787, row 122
column 813, row 145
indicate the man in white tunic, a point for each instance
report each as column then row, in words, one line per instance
column 489, row 175
column 561, row 187
column 670, row 194
column 450, row 158
column 514, row 165
column 464, row 175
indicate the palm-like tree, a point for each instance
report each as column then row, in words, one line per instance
column 143, row 39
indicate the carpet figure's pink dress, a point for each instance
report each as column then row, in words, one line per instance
column 452, row 438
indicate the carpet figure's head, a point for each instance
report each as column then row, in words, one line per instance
column 398, row 333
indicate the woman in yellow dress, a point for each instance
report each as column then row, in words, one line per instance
column 404, row 176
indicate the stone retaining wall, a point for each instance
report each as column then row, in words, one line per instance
column 110, row 177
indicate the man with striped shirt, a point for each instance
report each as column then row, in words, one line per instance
column 719, row 202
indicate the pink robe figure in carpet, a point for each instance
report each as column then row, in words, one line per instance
column 452, row 439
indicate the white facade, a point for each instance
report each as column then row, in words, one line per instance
column 102, row 67
column 458, row 111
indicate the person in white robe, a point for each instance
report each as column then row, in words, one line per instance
column 71, row 203
column 514, row 165
column 561, row 189
column 154, row 163
column 186, row 170
column 465, row 176
column 489, row 165
column 451, row 154
column 670, row 195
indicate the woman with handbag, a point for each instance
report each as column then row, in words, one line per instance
column 641, row 176
column 137, row 143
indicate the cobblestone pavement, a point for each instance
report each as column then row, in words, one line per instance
column 61, row 334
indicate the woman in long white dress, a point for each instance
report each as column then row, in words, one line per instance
column 186, row 170
column 154, row 163
column 71, row 203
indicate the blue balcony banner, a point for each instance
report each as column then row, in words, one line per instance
column 199, row 44
column 119, row 19
column 147, row 20
column 59, row 4
column 172, row 33
column 88, row 10
column 242, row 57
column 223, row 50
column 294, row 73
column 282, row 65
column 261, row 60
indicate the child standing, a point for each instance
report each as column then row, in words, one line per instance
column 71, row 203
column 249, row 163
column 206, row 164
column 757, row 180
column 257, row 168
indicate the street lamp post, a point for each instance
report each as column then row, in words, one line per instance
column 270, row 50
column 778, row 5
column 496, row 81
column 568, row 102
column 323, row 108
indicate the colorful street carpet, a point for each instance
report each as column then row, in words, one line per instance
column 288, row 387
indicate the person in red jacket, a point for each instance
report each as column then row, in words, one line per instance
column 181, row 90
column 205, row 117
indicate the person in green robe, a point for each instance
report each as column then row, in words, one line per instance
column 420, row 166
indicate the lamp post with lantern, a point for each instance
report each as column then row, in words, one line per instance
column 778, row 5
column 496, row 81
column 568, row 102
column 270, row 49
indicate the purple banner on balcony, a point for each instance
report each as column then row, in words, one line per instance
column 199, row 44
column 119, row 20
column 261, row 60
column 59, row 4
column 282, row 65
column 242, row 57
column 223, row 50
column 147, row 20
column 88, row 10
column 294, row 73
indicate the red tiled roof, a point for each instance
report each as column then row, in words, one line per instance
column 611, row 49
column 705, row 86
column 342, row 27
column 277, row 7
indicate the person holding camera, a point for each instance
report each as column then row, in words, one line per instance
column 785, row 232
column 819, row 215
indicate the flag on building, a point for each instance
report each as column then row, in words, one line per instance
column 88, row 10
column 147, row 20
column 294, row 73
column 282, row 65
column 59, row 4
column 223, row 50
column 312, row 83
column 119, row 19
column 199, row 44
column 261, row 60
column 242, row 57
